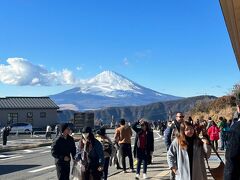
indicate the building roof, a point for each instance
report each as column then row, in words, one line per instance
column 27, row 103
column 231, row 12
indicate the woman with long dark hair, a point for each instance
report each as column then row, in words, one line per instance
column 186, row 154
column 143, row 147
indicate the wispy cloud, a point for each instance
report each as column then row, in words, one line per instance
column 100, row 67
column 19, row 71
column 217, row 86
column 125, row 61
column 79, row 68
column 143, row 54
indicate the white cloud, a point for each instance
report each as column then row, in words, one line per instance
column 125, row 61
column 21, row 72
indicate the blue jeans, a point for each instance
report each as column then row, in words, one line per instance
column 141, row 157
column 223, row 136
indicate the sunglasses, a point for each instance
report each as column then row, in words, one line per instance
column 181, row 116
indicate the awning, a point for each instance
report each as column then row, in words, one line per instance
column 231, row 13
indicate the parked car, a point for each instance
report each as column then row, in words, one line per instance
column 21, row 128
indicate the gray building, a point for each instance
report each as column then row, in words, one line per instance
column 39, row 111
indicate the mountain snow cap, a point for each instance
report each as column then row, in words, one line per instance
column 112, row 81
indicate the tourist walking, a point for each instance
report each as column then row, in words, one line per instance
column 187, row 153
column 91, row 156
column 5, row 133
column 62, row 148
column 107, row 149
column 57, row 130
column 123, row 136
column 48, row 132
column 173, row 129
column 213, row 133
column 223, row 132
column 143, row 146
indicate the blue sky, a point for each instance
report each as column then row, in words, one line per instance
column 174, row 47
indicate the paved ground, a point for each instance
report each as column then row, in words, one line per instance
column 38, row 164
column 159, row 169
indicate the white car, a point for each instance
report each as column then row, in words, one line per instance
column 21, row 128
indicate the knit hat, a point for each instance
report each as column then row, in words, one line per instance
column 101, row 132
column 63, row 127
column 87, row 130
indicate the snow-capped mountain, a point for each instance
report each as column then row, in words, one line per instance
column 108, row 89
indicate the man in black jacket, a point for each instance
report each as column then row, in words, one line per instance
column 5, row 134
column 232, row 167
column 62, row 147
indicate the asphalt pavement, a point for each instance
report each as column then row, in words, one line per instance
column 38, row 164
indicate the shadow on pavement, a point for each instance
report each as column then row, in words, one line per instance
column 6, row 169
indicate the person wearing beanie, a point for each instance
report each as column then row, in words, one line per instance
column 62, row 147
column 107, row 149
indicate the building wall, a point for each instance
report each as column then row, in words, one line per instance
column 35, row 120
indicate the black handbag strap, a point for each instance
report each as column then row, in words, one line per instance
column 213, row 148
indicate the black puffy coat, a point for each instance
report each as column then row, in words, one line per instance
column 232, row 166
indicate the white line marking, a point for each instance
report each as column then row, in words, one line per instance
column 44, row 152
column 28, row 151
column 14, row 157
column 42, row 169
column 3, row 156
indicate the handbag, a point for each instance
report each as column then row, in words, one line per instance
column 217, row 173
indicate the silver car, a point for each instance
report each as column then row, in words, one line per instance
column 21, row 128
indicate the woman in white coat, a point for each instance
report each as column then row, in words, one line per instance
column 186, row 154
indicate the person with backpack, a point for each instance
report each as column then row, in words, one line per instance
column 213, row 133
column 143, row 146
column 91, row 156
column 107, row 149
column 223, row 132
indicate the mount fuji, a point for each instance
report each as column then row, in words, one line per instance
column 108, row 89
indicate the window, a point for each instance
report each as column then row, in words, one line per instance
column 29, row 115
column 12, row 118
column 43, row 114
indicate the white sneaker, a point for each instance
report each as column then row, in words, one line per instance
column 137, row 176
column 144, row 176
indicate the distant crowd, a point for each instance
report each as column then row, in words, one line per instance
column 189, row 144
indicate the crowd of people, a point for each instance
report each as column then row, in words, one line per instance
column 188, row 142
column 94, row 154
